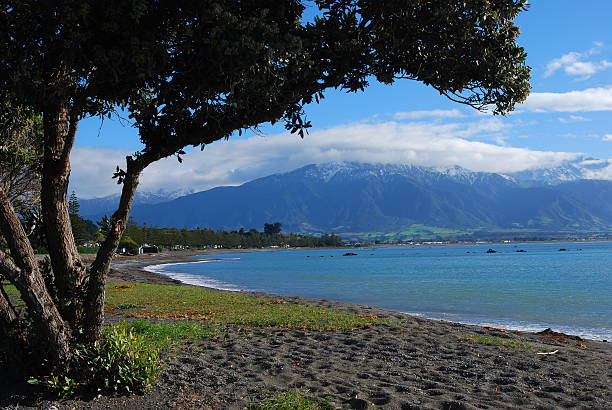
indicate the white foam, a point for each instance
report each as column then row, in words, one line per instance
column 522, row 326
column 191, row 279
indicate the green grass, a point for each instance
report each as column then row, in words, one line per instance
column 294, row 400
column 219, row 308
column 416, row 232
column 165, row 335
column 10, row 290
column 498, row 341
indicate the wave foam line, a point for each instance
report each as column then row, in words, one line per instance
column 532, row 327
column 191, row 279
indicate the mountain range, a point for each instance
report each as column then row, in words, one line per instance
column 353, row 199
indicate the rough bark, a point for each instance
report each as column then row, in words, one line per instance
column 68, row 268
column 94, row 305
column 22, row 271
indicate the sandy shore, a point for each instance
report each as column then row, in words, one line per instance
column 416, row 364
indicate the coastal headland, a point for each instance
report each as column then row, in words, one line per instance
column 411, row 363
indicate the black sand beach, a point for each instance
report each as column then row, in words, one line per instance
column 416, row 364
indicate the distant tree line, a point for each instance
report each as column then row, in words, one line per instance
column 88, row 232
column 199, row 238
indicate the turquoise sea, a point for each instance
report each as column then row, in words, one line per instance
column 569, row 291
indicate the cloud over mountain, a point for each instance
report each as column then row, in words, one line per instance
column 237, row 161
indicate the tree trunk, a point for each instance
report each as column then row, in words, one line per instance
column 22, row 271
column 68, row 269
column 94, row 305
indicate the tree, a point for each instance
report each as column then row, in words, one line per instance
column 192, row 72
column 20, row 155
column 271, row 229
column 73, row 204
column 76, row 222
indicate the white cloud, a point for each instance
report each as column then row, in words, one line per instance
column 237, row 161
column 590, row 99
column 576, row 64
column 416, row 115
column 601, row 173
column 573, row 118
column 607, row 137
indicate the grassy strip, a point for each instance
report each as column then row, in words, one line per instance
column 498, row 341
column 161, row 336
column 140, row 300
column 291, row 400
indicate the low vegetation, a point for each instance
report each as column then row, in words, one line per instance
column 294, row 399
column 165, row 335
column 498, row 341
column 140, row 300
column 126, row 358
column 120, row 362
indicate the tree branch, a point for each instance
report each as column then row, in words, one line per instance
column 23, row 272
column 94, row 305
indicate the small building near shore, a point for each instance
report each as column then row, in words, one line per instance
column 144, row 249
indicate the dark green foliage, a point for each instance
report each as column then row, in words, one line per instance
column 82, row 229
column 118, row 363
column 295, row 400
column 201, row 238
column 273, row 229
column 73, row 204
column 20, row 154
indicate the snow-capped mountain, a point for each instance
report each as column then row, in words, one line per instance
column 426, row 175
column 581, row 168
column 349, row 197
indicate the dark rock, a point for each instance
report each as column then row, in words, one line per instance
column 491, row 250
column 359, row 404
column 349, row 254
column 521, row 250
column 563, row 250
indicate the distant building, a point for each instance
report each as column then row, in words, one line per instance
column 147, row 249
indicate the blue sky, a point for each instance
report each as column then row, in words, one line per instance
column 569, row 46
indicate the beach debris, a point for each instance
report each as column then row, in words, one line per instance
column 496, row 329
column 349, row 254
column 122, row 287
column 275, row 302
column 368, row 316
column 561, row 338
column 545, row 353
column 298, row 363
column 548, row 332
column 491, row 250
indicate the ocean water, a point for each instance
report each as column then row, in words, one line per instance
column 569, row 291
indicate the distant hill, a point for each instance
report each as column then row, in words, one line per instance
column 94, row 209
column 355, row 198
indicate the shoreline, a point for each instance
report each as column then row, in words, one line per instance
column 184, row 257
column 410, row 363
